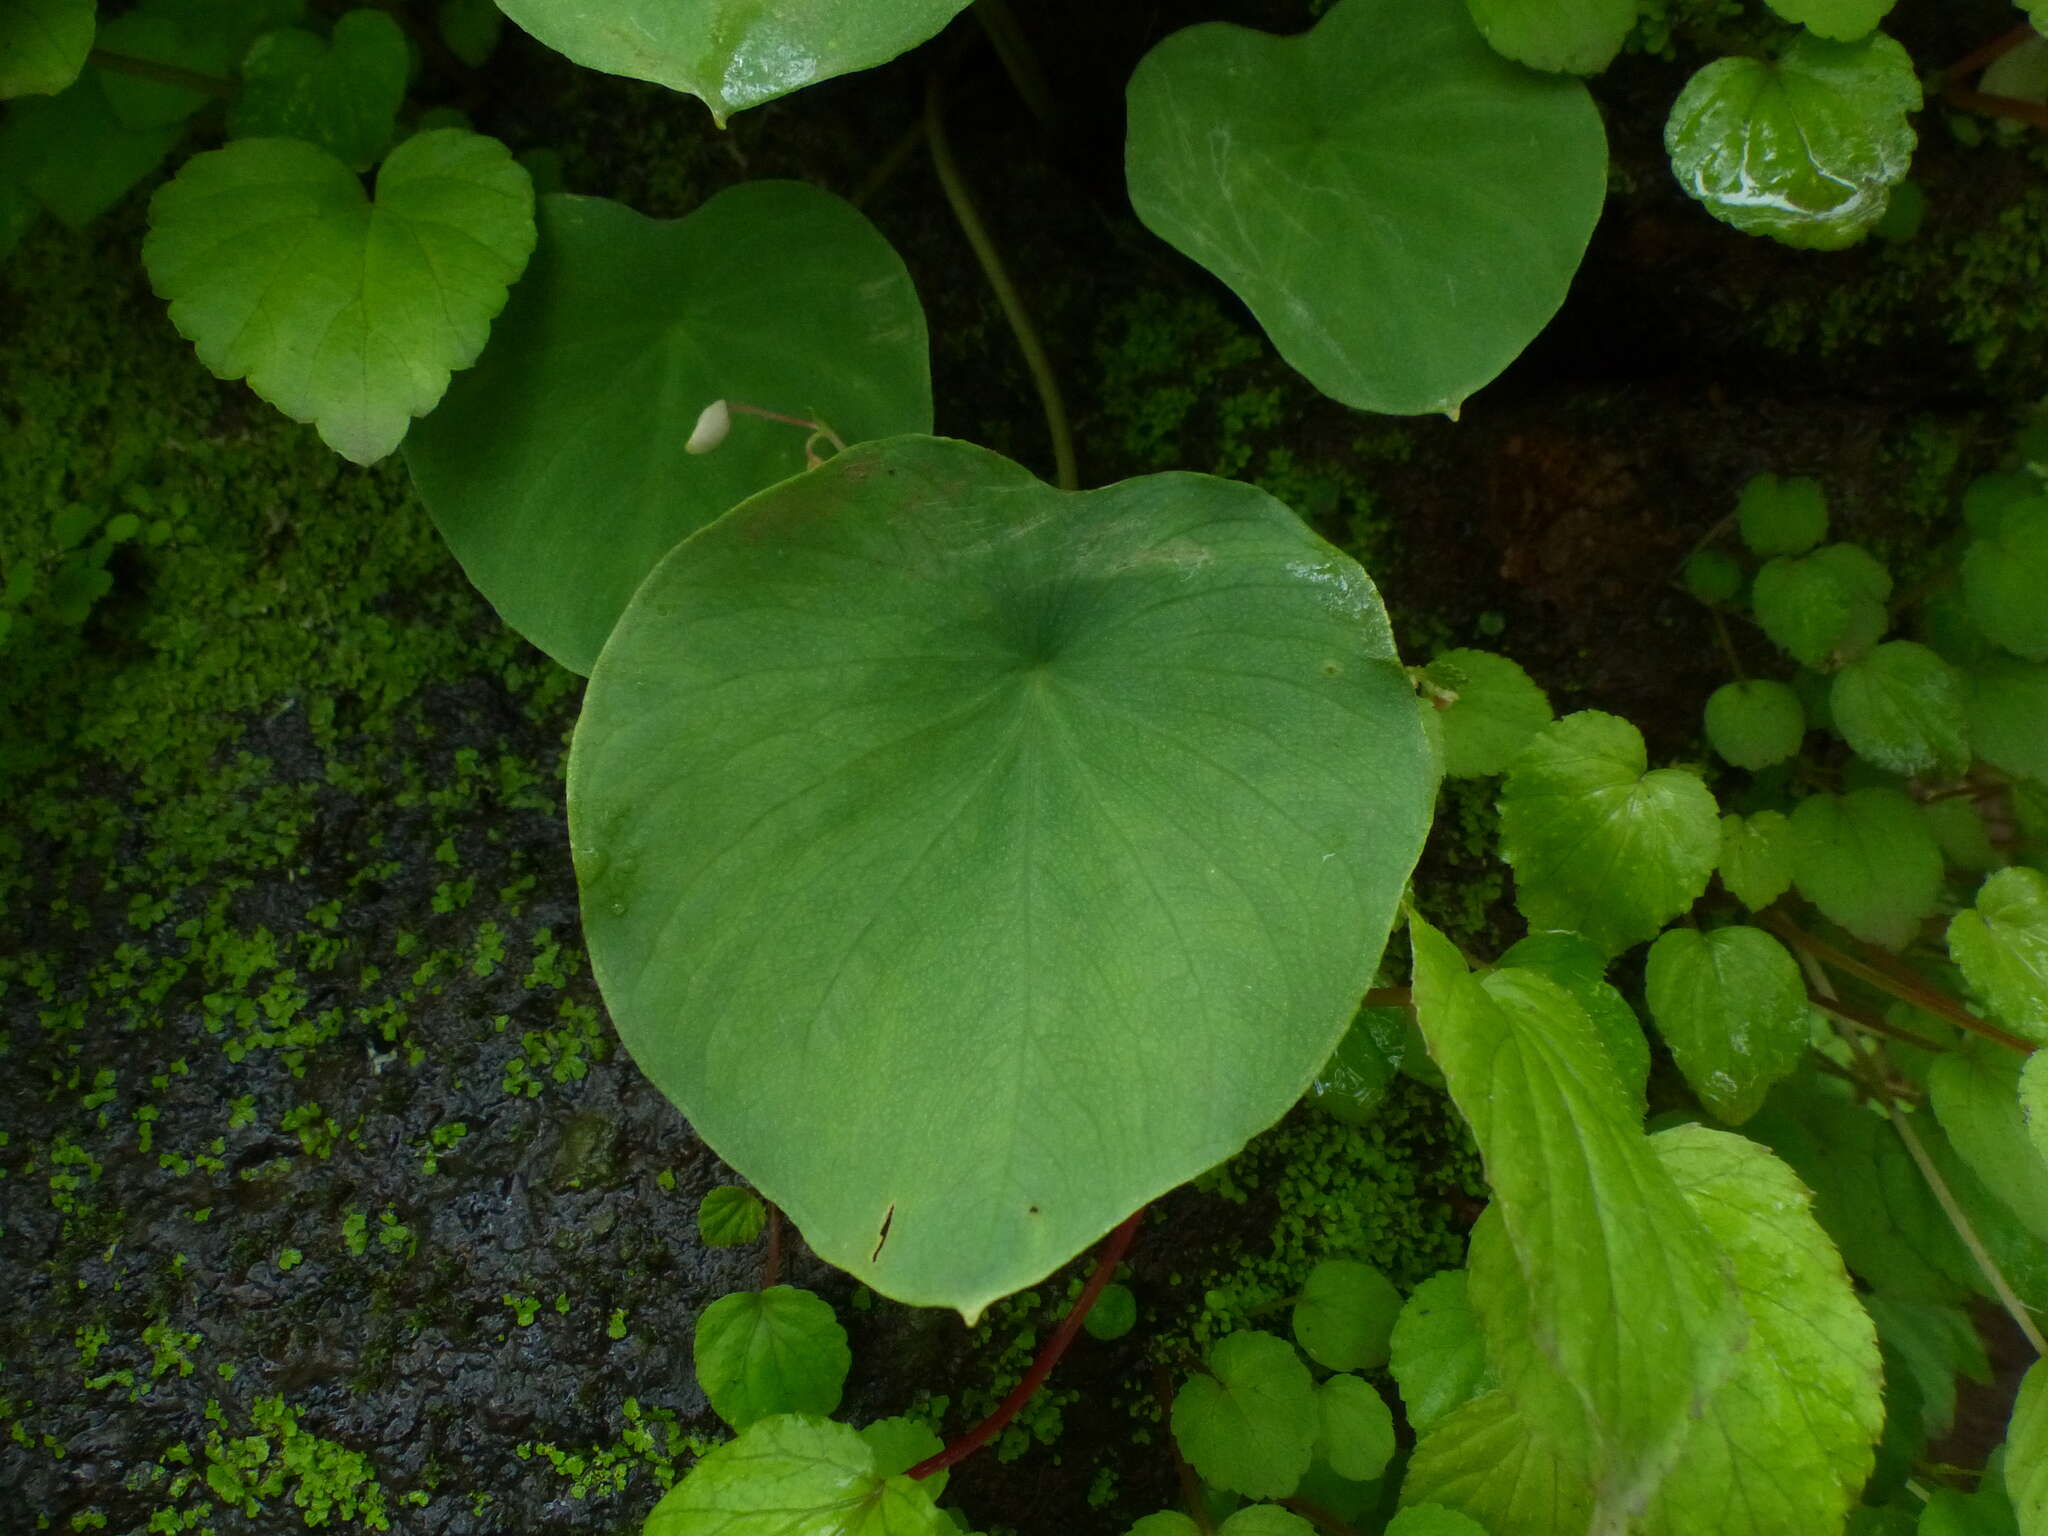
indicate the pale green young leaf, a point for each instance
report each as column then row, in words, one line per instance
column 1598, row 845
column 1285, row 165
column 1621, row 1285
column 1432, row 1520
column 1867, row 860
column 1438, row 1356
column 900, row 1444
column 1481, row 1461
column 1793, row 1426
column 795, row 1475
column 2005, row 702
column 1804, row 148
column 761, row 1353
column 344, row 312
column 2033, row 1096
column 2026, row 1453
column 730, row 1215
column 43, row 44
column 578, row 416
column 1573, row 963
column 1826, row 607
column 1488, row 708
column 1249, row 1422
column 1265, row 1520
column 1576, row 37
column 1785, row 515
column 1171, row 818
column 1975, row 1094
column 732, row 54
column 2005, row 572
column 1755, row 723
column 1841, row 21
column 1756, row 857
column 342, row 94
column 1357, row 1433
column 1901, row 708
column 1345, row 1315
column 2001, row 943
column 1732, row 1006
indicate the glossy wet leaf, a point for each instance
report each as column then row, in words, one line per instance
column 342, row 94
column 1756, row 857
column 1249, row 1422
column 1804, row 148
column 1438, row 1355
column 1599, row 845
column 1488, row 707
column 1842, row 21
column 2001, row 943
column 557, row 468
column 729, row 1216
column 1574, row 964
column 2026, row 1453
column 795, row 1475
column 761, row 1353
column 43, row 44
column 2005, row 572
column 1084, row 818
column 1356, row 184
column 1826, row 607
column 1354, row 1082
column 1481, row 1461
column 1867, row 860
column 344, row 312
column 1755, row 723
column 1357, row 1434
column 732, row 54
column 1732, row 1006
column 1975, row 1093
column 1901, row 708
column 1345, row 1315
column 1782, row 515
column 2005, row 702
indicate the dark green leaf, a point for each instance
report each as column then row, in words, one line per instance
column 2005, row 573
column 2005, row 702
column 1756, row 723
column 1782, row 516
column 730, row 1215
column 43, row 44
column 342, row 95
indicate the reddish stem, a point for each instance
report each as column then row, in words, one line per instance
column 1112, row 1254
column 1988, row 53
column 2019, row 111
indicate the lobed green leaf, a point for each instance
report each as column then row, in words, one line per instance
column 2001, row 943
column 1756, row 857
column 1732, row 1006
column 1901, row 708
column 1249, row 1422
column 1868, row 861
column 763, row 1353
column 1755, row 723
column 795, row 1475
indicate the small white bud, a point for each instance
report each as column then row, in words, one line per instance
column 712, row 425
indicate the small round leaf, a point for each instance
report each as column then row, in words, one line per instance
column 1249, row 1423
column 1824, row 608
column 1114, row 1314
column 1755, row 723
column 1868, row 860
column 1782, row 516
column 1756, row 857
column 730, row 1215
column 767, row 1352
column 1732, row 1006
column 1713, row 576
column 1345, row 1315
column 1357, row 1436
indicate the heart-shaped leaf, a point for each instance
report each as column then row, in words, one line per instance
column 795, row 1475
column 1867, row 860
column 1249, row 1422
column 43, row 44
column 1401, row 207
column 973, row 861
column 760, row 1353
column 343, row 95
column 558, row 468
column 1732, row 1006
column 733, row 54
column 337, row 310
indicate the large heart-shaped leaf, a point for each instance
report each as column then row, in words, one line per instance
column 974, row 861
column 1401, row 207
column 337, row 310
column 557, row 468
column 732, row 53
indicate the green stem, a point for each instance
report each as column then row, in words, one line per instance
column 161, row 74
column 1065, row 473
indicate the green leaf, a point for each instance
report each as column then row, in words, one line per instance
column 339, row 311
column 761, row 1353
column 1355, row 184
column 43, row 44
column 1901, row 708
column 1785, row 516
column 206, row 37
column 1117, row 789
column 1574, row 964
column 2005, row 702
column 1265, row 1520
column 1755, row 724
column 2001, row 943
column 1578, row 37
column 1599, row 846
column 1975, row 1093
column 1488, row 708
column 2005, row 572
column 1785, row 1443
column 1432, row 1520
column 900, row 1444
column 342, row 95
column 1842, row 21
column 1804, row 149
column 1438, row 1354
column 795, row 1475
column 1628, row 1314
column 1482, row 1462
column 2026, row 1453
column 1168, row 1522
column 579, row 413
column 732, row 54
column 73, row 155
column 1357, row 1434
column 2033, row 1093
column 1249, row 1423
column 1354, row 1082
column 1345, row 1315
column 1934, row 1343
column 1712, row 576
column 1867, row 860
column 1114, row 1314
column 1824, row 608
column 1987, row 1512
column 729, row 1216
column 1756, row 857
column 1732, row 1006
column 470, row 28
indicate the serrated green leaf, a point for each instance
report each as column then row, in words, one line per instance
column 1901, row 708
column 795, row 1475
column 1805, row 148
column 1756, row 723
column 2005, row 702
column 1792, row 1428
column 1824, row 608
column 1438, row 1355
column 1285, row 165
column 1598, row 845
column 1345, row 1315
column 1488, row 708
column 2001, row 943
column 342, row 94
column 1621, row 1285
column 1357, row 1434
column 2005, row 571
column 1578, row 37
column 579, row 413
column 1265, row 1520
column 43, row 45
column 73, row 155
column 730, row 1215
column 1868, row 861
column 1756, row 857
column 1732, row 1006
column 1841, row 21
column 1432, row 1520
column 1481, row 1461
column 1935, row 1343
column 1249, row 1423
column 337, row 310
column 1574, row 964
column 1782, row 515
column 1192, row 799
column 732, row 54
column 2026, row 1453
column 762, row 1353
column 1975, row 1093
column 2033, row 1095
column 900, row 1444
